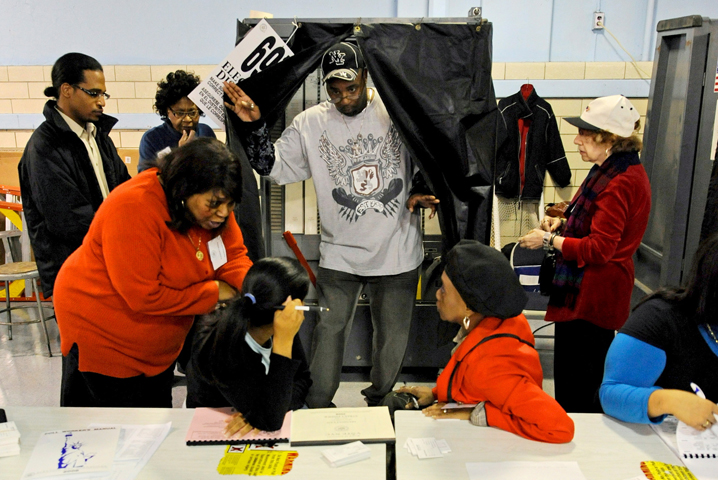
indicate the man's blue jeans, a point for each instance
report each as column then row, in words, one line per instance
column 391, row 301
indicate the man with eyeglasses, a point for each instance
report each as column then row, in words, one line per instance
column 69, row 165
column 367, row 193
column 180, row 118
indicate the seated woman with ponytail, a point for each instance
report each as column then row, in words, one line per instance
column 249, row 356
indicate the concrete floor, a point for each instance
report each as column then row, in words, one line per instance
column 29, row 377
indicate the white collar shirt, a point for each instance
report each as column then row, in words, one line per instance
column 87, row 135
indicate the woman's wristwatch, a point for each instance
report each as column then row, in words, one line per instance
column 546, row 239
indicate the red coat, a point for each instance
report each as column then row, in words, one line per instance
column 507, row 375
column 129, row 294
column 619, row 217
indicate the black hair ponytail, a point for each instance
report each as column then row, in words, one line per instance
column 70, row 68
column 267, row 284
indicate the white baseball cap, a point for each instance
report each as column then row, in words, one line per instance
column 613, row 114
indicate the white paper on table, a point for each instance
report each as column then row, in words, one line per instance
column 666, row 430
column 136, row 446
column 699, row 450
column 523, row 470
column 73, row 452
column 424, row 447
column 443, row 446
column 346, row 454
column 410, row 446
column 9, row 434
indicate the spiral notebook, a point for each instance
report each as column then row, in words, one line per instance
column 699, row 450
column 207, row 428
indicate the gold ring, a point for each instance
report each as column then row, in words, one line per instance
column 707, row 424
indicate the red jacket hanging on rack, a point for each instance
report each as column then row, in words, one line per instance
column 522, row 160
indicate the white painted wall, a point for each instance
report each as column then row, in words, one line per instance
column 157, row 32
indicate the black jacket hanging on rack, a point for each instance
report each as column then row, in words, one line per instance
column 543, row 148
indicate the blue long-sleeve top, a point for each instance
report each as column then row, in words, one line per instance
column 162, row 136
column 631, row 371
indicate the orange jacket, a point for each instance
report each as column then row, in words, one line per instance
column 129, row 294
column 506, row 374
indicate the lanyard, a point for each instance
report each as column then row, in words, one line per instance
column 490, row 337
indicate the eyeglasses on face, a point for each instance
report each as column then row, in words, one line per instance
column 185, row 113
column 94, row 93
column 336, row 97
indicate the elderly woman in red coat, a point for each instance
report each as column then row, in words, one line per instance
column 591, row 290
column 495, row 365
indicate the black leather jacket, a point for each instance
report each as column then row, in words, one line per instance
column 544, row 150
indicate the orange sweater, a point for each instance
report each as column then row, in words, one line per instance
column 507, row 375
column 127, row 297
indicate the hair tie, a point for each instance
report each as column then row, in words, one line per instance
column 251, row 297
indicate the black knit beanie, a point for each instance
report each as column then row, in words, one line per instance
column 485, row 280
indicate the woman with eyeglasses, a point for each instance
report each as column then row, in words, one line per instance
column 592, row 284
column 180, row 115
column 164, row 247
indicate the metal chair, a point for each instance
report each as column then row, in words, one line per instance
column 24, row 270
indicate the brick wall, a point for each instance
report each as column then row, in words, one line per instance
column 133, row 88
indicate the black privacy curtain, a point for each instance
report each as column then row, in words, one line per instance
column 435, row 80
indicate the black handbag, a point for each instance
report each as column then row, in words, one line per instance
column 547, row 272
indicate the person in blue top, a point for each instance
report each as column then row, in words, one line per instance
column 668, row 345
column 180, row 115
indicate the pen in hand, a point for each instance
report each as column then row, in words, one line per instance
column 697, row 390
column 305, row 308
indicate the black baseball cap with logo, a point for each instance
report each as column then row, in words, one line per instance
column 342, row 61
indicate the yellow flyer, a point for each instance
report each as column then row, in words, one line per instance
column 665, row 471
column 242, row 460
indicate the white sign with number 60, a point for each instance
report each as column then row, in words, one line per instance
column 259, row 49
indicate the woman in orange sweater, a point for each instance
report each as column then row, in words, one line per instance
column 161, row 249
column 495, row 365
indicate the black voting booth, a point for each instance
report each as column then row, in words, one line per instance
column 434, row 76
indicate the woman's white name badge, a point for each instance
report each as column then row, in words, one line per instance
column 217, row 252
